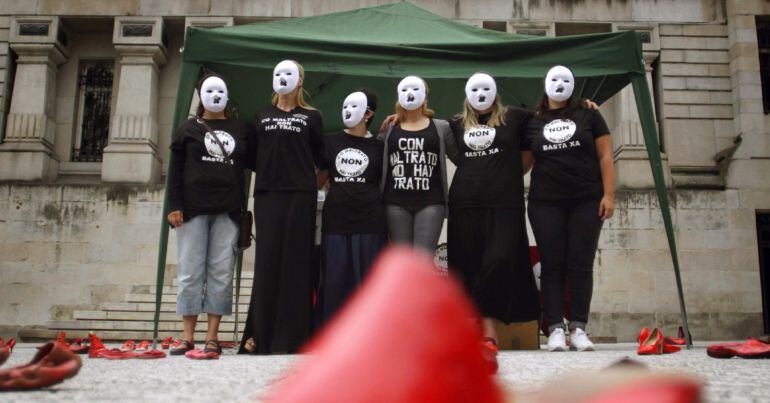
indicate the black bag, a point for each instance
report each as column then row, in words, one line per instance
column 247, row 218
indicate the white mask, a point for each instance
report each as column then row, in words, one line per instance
column 481, row 91
column 285, row 77
column 411, row 93
column 559, row 83
column 354, row 109
column 213, row 94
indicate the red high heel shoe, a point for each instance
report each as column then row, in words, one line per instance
column 653, row 343
column 61, row 337
column 679, row 341
column 489, row 348
column 143, row 345
column 6, row 349
column 166, row 343
column 129, row 345
column 52, row 364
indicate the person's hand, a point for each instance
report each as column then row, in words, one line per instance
column 607, row 207
column 590, row 104
column 175, row 218
column 389, row 120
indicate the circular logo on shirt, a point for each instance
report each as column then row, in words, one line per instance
column 479, row 138
column 351, row 162
column 213, row 148
column 441, row 260
column 559, row 130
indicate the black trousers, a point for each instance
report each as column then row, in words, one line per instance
column 488, row 251
column 279, row 318
column 567, row 235
column 345, row 262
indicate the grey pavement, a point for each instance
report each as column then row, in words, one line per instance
column 246, row 378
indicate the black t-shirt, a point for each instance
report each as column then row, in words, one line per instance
column 354, row 202
column 489, row 168
column 289, row 147
column 566, row 165
column 413, row 168
column 201, row 182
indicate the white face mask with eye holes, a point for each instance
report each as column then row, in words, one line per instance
column 285, row 77
column 411, row 93
column 559, row 83
column 481, row 90
column 213, row 94
column 354, row 109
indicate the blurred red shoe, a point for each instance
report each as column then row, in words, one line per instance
column 489, row 348
column 79, row 346
column 752, row 348
column 422, row 348
column 52, row 364
column 143, row 345
column 198, row 354
column 125, row 355
column 166, row 343
column 653, row 343
column 6, row 349
column 679, row 341
column 129, row 345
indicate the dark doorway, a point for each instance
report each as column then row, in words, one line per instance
column 763, row 242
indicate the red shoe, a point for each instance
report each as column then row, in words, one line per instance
column 124, row 355
column 97, row 348
column 753, row 348
column 653, row 344
column 669, row 348
column 166, row 343
column 422, row 349
column 489, row 348
column 79, row 346
column 143, row 345
column 52, row 364
column 129, row 345
column 198, row 354
column 679, row 341
column 6, row 349
column 62, row 338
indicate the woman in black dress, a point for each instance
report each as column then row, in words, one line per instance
column 289, row 150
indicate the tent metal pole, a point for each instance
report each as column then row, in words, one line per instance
column 187, row 76
column 644, row 107
column 598, row 87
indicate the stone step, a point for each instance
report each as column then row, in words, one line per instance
column 102, row 325
column 173, row 290
column 40, row 335
column 164, row 306
column 144, row 316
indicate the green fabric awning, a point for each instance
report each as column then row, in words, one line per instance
column 376, row 47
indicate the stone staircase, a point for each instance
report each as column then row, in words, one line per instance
column 133, row 318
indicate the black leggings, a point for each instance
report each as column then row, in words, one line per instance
column 567, row 235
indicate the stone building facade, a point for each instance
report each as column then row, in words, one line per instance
column 87, row 90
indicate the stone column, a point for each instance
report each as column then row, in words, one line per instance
column 632, row 164
column 131, row 155
column 27, row 152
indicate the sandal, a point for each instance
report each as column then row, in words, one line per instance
column 249, row 346
column 183, row 347
column 217, row 348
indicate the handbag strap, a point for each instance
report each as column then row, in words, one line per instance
column 216, row 139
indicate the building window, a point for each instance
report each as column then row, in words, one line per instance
column 501, row 26
column 95, row 91
column 763, row 41
column 763, row 241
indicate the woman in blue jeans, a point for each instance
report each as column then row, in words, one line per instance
column 209, row 154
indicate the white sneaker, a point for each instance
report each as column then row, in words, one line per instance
column 557, row 341
column 579, row 341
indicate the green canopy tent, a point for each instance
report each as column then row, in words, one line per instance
column 376, row 47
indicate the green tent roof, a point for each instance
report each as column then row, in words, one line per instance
column 375, row 47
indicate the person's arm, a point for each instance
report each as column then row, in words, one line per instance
column 390, row 120
column 322, row 178
column 176, row 178
column 251, row 146
column 603, row 142
column 316, row 127
column 450, row 144
column 527, row 160
column 589, row 104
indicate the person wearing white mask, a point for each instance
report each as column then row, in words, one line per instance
column 353, row 229
column 289, row 152
column 414, row 169
column 572, row 192
column 209, row 153
column 487, row 243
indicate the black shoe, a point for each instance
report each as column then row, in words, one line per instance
column 183, row 347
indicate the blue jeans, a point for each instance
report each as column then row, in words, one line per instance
column 206, row 258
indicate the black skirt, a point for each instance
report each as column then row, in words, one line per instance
column 279, row 318
column 488, row 251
